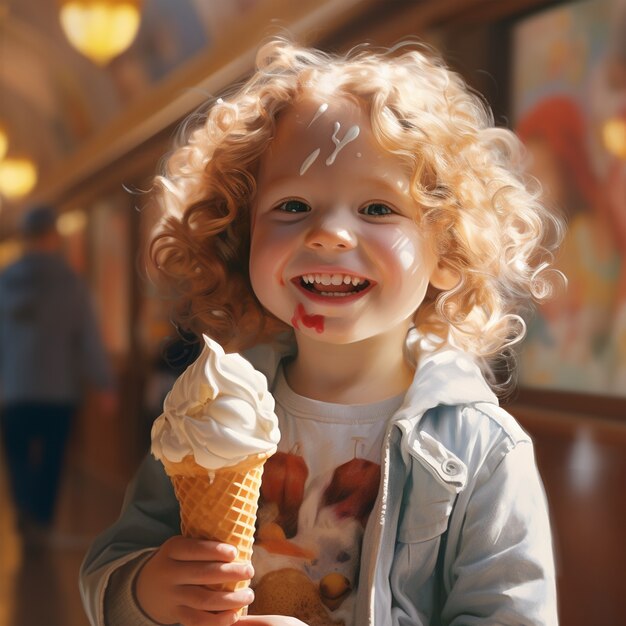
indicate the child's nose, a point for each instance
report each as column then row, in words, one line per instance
column 331, row 234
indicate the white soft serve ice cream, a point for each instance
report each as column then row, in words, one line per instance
column 219, row 410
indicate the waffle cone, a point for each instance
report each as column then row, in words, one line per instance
column 219, row 505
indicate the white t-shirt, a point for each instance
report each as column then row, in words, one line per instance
column 318, row 491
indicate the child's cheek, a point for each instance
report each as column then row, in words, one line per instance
column 309, row 321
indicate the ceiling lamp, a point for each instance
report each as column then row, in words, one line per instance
column 4, row 142
column 100, row 29
column 18, row 176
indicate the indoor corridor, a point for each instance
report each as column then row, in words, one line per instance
column 39, row 579
column 39, row 583
column 583, row 462
column 91, row 136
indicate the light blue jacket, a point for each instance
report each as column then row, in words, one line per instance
column 459, row 534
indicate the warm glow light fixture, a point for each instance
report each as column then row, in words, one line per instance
column 4, row 142
column 614, row 136
column 71, row 222
column 18, row 176
column 100, row 29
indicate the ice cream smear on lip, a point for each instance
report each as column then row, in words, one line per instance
column 219, row 411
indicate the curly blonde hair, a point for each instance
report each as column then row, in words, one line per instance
column 488, row 225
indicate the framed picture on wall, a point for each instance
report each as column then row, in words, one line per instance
column 568, row 105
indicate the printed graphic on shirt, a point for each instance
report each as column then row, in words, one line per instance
column 309, row 534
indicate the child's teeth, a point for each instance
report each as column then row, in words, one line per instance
column 331, row 279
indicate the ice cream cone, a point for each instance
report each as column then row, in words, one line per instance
column 217, row 429
column 220, row 505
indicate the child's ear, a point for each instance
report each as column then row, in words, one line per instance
column 444, row 278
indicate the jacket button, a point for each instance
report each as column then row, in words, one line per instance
column 450, row 467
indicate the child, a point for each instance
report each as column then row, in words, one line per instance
column 366, row 206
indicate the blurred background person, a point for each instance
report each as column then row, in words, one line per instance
column 50, row 349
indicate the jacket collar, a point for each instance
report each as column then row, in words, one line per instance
column 443, row 376
column 266, row 357
column 446, row 376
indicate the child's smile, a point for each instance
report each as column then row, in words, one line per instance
column 335, row 232
column 332, row 285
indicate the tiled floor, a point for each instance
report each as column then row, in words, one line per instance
column 583, row 463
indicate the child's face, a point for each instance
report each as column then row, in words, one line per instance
column 333, row 207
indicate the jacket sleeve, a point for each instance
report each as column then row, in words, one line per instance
column 503, row 569
column 150, row 516
column 120, row 604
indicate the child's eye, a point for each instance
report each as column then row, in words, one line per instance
column 293, row 206
column 376, row 209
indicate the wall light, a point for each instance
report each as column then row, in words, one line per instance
column 4, row 141
column 71, row 222
column 100, row 29
column 18, row 176
column 614, row 136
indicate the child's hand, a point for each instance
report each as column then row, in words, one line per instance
column 170, row 587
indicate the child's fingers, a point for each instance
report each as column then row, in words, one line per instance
column 202, row 599
column 210, row 573
column 194, row 617
column 270, row 620
column 187, row 549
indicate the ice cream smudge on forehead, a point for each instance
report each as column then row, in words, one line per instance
column 219, row 411
column 309, row 161
column 351, row 134
column 320, row 111
column 313, row 156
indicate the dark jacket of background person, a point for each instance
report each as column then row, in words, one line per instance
column 49, row 339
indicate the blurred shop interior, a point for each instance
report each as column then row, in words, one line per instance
column 84, row 129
